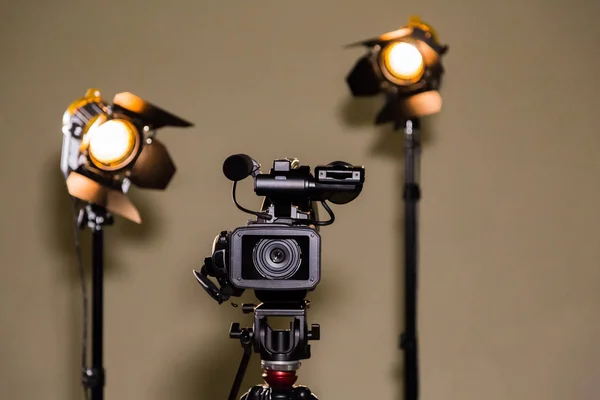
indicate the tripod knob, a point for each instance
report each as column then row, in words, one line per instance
column 315, row 332
column 234, row 331
column 248, row 308
column 302, row 393
column 243, row 334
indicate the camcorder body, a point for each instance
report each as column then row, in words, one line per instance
column 272, row 257
column 278, row 255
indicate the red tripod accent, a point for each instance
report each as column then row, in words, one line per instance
column 279, row 379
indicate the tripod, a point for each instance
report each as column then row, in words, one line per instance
column 95, row 218
column 280, row 351
column 412, row 195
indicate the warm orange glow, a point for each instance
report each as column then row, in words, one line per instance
column 91, row 96
column 402, row 32
column 131, row 102
column 112, row 144
column 402, row 62
column 91, row 191
column 423, row 104
column 94, row 121
column 413, row 22
column 417, row 22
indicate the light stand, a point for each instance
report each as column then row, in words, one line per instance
column 107, row 148
column 95, row 218
column 411, row 196
column 406, row 66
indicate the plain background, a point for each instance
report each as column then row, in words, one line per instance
column 509, row 283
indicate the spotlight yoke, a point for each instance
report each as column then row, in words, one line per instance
column 107, row 147
column 406, row 66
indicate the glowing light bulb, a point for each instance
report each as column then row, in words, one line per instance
column 403, row 61
column 112, row 144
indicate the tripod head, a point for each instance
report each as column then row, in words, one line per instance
column 280, row 350
column 279, row 346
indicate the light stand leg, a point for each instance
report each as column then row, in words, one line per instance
column 411, row 198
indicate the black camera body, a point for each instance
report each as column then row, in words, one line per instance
column 278, row 255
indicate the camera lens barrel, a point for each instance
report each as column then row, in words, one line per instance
column 277, row 258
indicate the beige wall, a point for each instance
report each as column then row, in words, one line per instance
column 510, row 281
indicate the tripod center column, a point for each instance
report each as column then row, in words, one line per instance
column 280, row 374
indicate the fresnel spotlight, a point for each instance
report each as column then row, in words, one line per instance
column 406, row 66
column 106, row 148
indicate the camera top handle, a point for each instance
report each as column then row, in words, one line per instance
column 290, row 187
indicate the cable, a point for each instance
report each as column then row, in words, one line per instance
column 84, row 296
column 255, row 213
column 331, row 216
column 269, row 216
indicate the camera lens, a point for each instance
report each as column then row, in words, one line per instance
column 277, row 258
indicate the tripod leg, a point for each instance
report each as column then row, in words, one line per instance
column 265, row 392
column 303, row 393
column 239, row 377
column 258, row 392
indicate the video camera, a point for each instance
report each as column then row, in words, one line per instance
column 278, row 255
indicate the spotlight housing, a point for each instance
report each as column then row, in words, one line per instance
column 107, row 147
column 406, row 66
